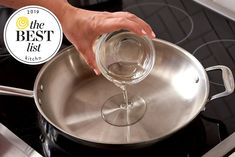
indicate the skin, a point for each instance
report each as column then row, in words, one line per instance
column 83, row 27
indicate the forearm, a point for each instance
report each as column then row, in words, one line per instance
column 56, row 6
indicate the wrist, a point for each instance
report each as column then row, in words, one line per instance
column 58, row 8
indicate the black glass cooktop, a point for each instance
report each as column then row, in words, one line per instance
column 207, row 35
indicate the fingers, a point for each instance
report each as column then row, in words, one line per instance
column 91, row 61
column 145, row 28
column 144, row 25
column 114, row 24
column 89, row 57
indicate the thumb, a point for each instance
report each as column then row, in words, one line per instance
column 89, row 57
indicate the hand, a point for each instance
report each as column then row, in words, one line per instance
column 83, row 27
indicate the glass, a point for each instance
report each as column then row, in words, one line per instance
column 124, row 58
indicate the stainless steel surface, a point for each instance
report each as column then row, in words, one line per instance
column 222, row 148
column 228, row 80
column 224, row 7
column 70, row 96
column 11, row 145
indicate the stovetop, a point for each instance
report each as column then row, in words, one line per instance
column 209, row 36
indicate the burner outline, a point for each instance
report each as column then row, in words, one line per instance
column 171, row 6
column 208, row 43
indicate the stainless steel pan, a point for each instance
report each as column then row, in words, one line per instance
column 69, row 96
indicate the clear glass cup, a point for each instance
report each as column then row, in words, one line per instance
column 124, row 58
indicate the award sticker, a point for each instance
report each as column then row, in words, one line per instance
column 33, row 35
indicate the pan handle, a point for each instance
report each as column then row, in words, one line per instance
column 16, row 91
column 228, row 80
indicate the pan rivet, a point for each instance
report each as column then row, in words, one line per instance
column 40, row 101
column 41, row 88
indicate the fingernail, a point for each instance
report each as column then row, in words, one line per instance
column 153, row 34
column 143, row 31
column 96, row 71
